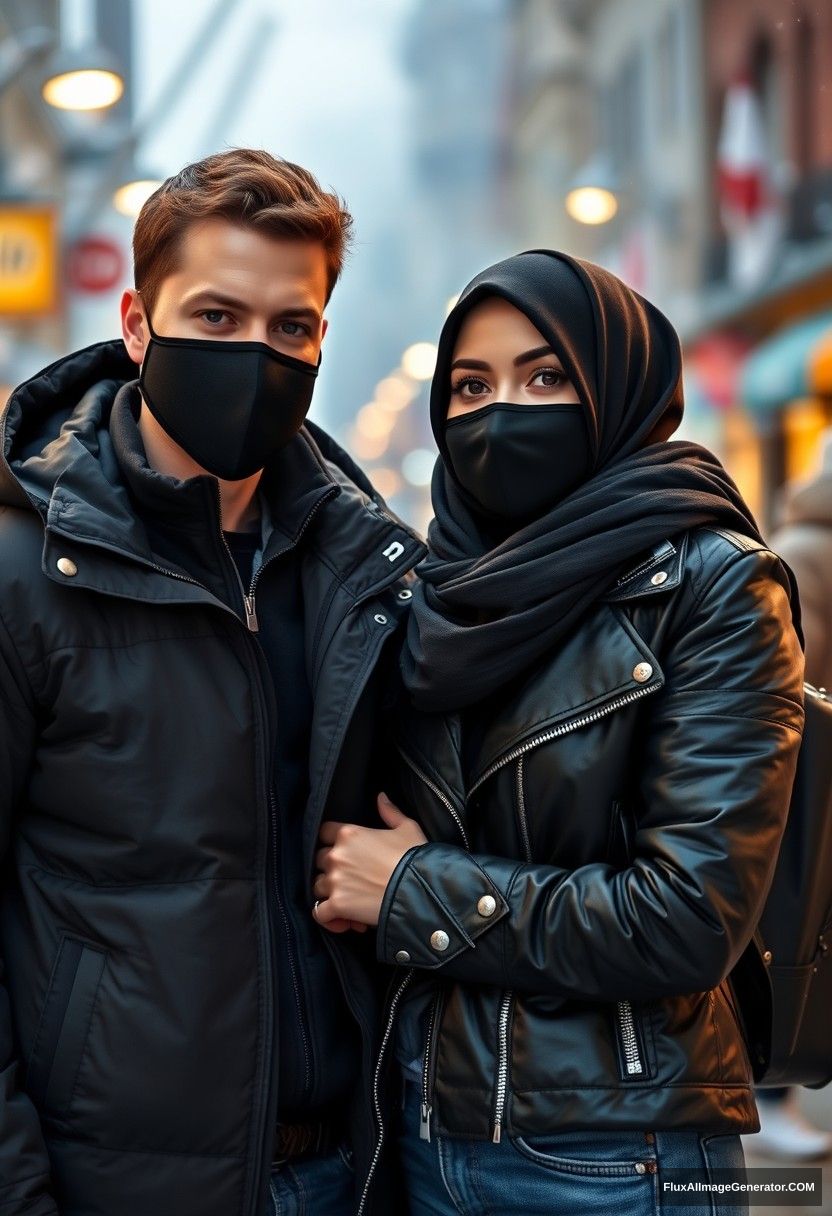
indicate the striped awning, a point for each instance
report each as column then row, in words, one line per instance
column 783, row 367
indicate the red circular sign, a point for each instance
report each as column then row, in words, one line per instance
column 96, row 263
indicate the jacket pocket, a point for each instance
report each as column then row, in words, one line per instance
column 64, row 1024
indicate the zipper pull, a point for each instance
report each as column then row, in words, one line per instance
column 424, row 1122
column 251, row 615
column 498, row 1131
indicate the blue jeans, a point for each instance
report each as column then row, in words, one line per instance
column 316, row 1186
column 564, row 1173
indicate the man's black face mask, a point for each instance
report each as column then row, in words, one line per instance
column 230, row 405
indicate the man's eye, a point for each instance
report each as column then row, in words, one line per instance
column 214, row 316
column 293, row 329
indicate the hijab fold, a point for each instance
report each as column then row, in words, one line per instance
column 488, row 606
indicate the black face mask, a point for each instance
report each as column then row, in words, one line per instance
column 229, row 405
column 516, row 461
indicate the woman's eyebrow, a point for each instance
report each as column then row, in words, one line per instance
column 537, row 353
column 479, row 364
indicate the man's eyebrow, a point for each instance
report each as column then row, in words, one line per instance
column 537, row 353
column 308, row 314
column 207, row 296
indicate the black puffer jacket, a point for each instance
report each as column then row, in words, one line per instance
column 598, row 870
column 138, row 1021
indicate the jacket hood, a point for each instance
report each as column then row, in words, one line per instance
column 810, row 501
column 51, row 420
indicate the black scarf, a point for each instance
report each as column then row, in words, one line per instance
column 488, row 607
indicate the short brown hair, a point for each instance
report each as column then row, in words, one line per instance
column 247, row 186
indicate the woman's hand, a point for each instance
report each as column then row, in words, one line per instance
column 356, row 865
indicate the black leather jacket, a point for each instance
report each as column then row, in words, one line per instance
column 583, row 900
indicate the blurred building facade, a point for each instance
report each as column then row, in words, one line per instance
column 710, row 121
column 64, row 251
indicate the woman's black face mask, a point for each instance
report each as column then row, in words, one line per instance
column 230, row 405
column 517, row 461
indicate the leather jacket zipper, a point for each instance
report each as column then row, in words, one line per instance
column 501, row 1085
column 443, row 798
column 631, row 1050
column 521, row 811
column 427, row 1070
column 565, row 728
column 388, row 1030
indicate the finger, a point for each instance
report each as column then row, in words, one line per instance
column 323, row 912
column 322, row 887
column 322, row 858
column 328, row 832
column 338, row 925
column 389, row 812
column 358, row 926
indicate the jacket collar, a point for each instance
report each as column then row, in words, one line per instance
column 654, row 573
column 629, row 669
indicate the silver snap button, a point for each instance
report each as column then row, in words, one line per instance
column 380, row 618
column 402, row 956
column 641, row 1168
column 405, row 595
column 658, row 578
column 67, row 566
column 440, row 940
column 642, row 672
column 487, row 906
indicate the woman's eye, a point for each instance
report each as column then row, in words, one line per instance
column 471, row 387
column 548, row 377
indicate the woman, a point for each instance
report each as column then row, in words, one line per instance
column 604, row 712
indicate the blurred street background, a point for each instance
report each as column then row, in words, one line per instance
column 685, row 144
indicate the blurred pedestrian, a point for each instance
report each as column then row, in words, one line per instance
column 603, row 711
column 804, row 540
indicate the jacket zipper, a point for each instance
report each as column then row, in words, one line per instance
column 443, row 798
column 521, row 810
column 633, row 1062
column 290, row 948
column 426, row 1107
column 249, row 605
column 565, row 728
column 502, row 1067
column 388, row 1029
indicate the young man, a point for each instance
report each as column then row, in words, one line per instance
column 198, row 600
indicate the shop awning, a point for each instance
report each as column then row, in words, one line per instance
column 781, row 369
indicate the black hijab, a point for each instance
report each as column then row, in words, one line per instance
column 487, row 608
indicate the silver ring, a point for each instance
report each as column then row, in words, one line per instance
column 315, row 909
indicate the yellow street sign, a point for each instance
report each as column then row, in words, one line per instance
column 29, row 260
